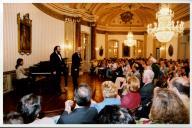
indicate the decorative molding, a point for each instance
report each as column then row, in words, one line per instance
column 65, row 10
column 118, row 32
column 61, row 12
column 100, row 12
column 126, row 16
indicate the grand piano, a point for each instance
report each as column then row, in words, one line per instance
column 43, row 68
column 41, row 74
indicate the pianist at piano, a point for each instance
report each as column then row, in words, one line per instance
column 24, row 82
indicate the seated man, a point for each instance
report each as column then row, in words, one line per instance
column 147, row 90
column 82, row 113
column 110, row 94
column 146, row 93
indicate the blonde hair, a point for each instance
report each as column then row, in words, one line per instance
column 134, row 84
column 109, row 89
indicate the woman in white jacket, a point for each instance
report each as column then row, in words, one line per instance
column 20, row 72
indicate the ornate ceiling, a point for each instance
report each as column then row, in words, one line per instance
column 108, row 15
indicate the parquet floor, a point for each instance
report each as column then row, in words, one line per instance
column 52, row 104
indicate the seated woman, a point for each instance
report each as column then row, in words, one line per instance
column 168, row 108
column 20, row 72
column 120, row 82
column 24, row 82
column 132, row 98
column 110, row 94
column 113, row 114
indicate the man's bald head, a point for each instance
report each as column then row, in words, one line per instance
column 83, row 95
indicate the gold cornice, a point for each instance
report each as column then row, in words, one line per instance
column 89, row 12
column 64, row 10
column 118, row 32
column 120, row 28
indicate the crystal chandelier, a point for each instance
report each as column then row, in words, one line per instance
column 130, row 41
column 165, row 29
column 127, row 17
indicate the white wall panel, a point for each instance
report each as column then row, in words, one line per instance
column 46, row 33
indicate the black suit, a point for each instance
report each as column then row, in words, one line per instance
column 76, row 59
column 58, row 65
column 86, row 115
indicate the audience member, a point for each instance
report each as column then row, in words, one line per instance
column 146, row 93
column 136, row 72
column 30, row 108
column 181, row 87
column 147, row 90
column 168, row 108
column 82, row 113
column 113, row 114
column 132, row 98
column 13, row 118
column 110, row 94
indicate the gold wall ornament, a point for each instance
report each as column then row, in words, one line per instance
column 101, row 51
column 126, row 16
column 24, row 34
column 170, row 50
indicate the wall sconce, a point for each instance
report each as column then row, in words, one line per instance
column 162, row 48
column 62, row 45
column 139, row 51
column 97, row 49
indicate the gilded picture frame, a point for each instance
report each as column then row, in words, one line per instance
column 24, row 34
column 170, row 50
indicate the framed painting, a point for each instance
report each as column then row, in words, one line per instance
column 170, row 50
column 5, row 83
column 24, row 34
